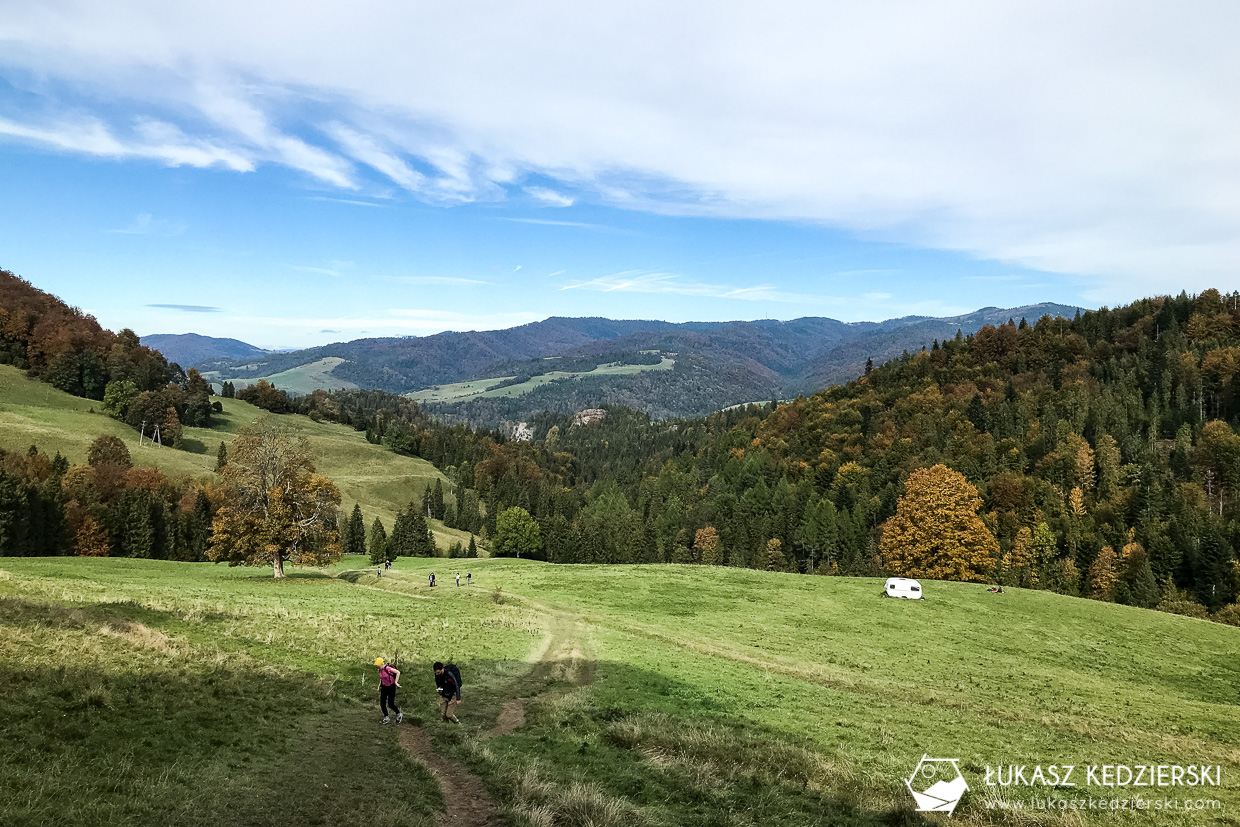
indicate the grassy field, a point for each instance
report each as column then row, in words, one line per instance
column 718, row 696
column 302, row 379
column 382, row 482
column 460, row 391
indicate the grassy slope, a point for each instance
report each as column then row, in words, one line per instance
column 302, row 379
column 460, row 391
column 145, row 692
column 381, row 481
column 721, row 696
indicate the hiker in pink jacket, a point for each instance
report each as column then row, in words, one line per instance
column 389, row 680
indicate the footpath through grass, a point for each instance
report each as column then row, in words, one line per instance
column 741, row 697
column 137, row 692
column 719, row 696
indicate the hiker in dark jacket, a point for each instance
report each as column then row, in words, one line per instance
column 449, row 689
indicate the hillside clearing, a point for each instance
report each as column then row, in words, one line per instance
column 381, row 481
column 486, row 388
column 719, row 695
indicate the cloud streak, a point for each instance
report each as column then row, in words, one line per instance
column 447, row 281
column 187, row 308
column 671, row 283
column 1103, row 148
column 146, row 224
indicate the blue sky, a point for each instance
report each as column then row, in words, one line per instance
column 294, row 174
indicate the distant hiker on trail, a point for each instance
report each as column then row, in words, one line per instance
column 378, row 572
column 458, row 579
column 467, row 576
column 389, row 680
column 432, row 579
column 448, row 685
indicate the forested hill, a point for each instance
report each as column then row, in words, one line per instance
column 1101, row 453
column 712, row 364
column 191, row 349
column 61, row 345
column 1104, row 451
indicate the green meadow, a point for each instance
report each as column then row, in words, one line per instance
column 135, row 690
column 382, row 482
column 302, row 379
column 460, row 391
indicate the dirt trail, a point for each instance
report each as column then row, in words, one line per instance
column 469, row 804
column 564, row 658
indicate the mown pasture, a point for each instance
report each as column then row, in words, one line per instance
column 382, row 482
column 717, row 696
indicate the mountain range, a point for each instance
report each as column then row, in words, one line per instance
column 563, row 364
column 189, row 349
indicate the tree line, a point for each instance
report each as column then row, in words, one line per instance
column 1095, row 456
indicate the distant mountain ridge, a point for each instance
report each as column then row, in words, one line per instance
column 716, row 363
column 189, row 349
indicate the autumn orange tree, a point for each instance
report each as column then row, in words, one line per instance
column 936, row 531
column 276, row 508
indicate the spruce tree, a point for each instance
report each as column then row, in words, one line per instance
column 221, row 457
column 378, row 543
column 355, row 532
column 473, row 548
column 422, row 542
column 199, row 534
column 436, row 502
column 403, row 540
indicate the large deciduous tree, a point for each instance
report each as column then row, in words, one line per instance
column 936, row 531
column 276, row 508
column 516, row 532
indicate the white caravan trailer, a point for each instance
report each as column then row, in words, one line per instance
column 903, row 587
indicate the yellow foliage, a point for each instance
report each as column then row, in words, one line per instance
column 276, row 508
column 1076, row 502
column 707, row 548
column 936, row 531
column 1018, row 562
column 90, row 539
column 1102, row 576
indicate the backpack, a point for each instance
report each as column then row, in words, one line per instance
column 455, row 671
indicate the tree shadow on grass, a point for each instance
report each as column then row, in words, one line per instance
column 193, row 446
column 644, row 765
column 141, row 729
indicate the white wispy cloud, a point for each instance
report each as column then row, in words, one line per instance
column 644, row 282
column 353, row 201
column 366, row 149
column 1105, row 147
column 187, row 308
column 550, row 197
column 442, row 280
column 395, row 322
column 146, row 224
column 150, row 140
column 553, row 223
column 326, row 271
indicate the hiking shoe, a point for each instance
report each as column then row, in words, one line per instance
column 400, row 716
column 386, row 720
